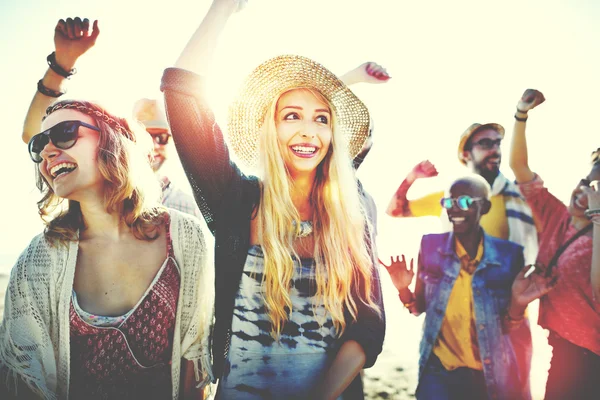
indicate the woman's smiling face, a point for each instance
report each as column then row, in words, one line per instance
column 72, row 171
column 304, row 130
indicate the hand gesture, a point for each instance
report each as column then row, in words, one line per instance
column 593, row 195
column 401, row 276
column 424, row 169
column 369, row 72
column 531, row 99
column 72, row 38
column 537, row 284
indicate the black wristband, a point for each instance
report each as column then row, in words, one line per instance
column 520, row 119
column 57, row 68
column 47, row 91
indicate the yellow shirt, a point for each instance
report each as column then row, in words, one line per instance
column 494, row 223
column 456, row 345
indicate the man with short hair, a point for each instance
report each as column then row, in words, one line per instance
column 150, row 113
column 510, row 217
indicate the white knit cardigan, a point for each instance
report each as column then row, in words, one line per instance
column 34, row 334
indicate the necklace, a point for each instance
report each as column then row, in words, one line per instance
column 306, row 228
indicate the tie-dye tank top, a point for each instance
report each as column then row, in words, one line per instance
column 258, row 366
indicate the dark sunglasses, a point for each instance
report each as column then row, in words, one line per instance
column 488, row 144
column 160, row 138
column 463, row 202
column 63, row 135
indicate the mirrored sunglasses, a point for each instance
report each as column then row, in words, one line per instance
column 463, row 202
column 63, row 135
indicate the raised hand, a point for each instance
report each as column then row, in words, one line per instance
column 400, row 274
column 72, row 38
column 531, row 99
column 424, row 169
column 537, row 284
column 368, row 72
column 593, row 195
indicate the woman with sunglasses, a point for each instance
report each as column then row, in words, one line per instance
column 474, row 290
column 298, row 308
column 569, row 245
column 113, row 300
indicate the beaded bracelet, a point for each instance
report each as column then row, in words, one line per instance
column 54, row 66
column 47, row 91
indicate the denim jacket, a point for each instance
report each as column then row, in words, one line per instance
column 505, row 354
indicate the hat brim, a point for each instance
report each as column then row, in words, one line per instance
column 277, row 76
column 471, row 130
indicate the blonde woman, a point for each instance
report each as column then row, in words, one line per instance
column 298, row 303
column 114, row 299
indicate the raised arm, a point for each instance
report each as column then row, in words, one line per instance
column 198, row 138
column 518, row 148
column 72, row 38
column 399, row 204
column 197, row 56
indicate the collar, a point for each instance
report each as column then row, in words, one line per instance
column 468, row 264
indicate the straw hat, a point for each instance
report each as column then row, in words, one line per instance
column 471, row 130
column 150, row 113
column 278, row 75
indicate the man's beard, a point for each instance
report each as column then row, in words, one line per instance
column 488, row 174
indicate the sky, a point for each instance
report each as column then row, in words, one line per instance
column 452, row 64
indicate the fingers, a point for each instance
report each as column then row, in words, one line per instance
column 412, row 264
column 70, row 33
column 382, row 263
column 61, row 27
column 77, row 28
column 95, row 30
column 377, row 71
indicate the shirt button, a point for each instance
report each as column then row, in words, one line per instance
column 481, row 327
column 477, row 292
column 487, row 361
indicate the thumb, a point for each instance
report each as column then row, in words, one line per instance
column 95, row 30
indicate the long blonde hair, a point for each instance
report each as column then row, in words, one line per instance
column 130, row 186
column 343, row 263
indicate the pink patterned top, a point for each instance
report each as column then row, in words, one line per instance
column 131, row 360
column 569, row 310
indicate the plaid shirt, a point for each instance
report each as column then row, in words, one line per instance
column 175, row 198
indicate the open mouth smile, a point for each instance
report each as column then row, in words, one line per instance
column 304, row 150
column 62, row 169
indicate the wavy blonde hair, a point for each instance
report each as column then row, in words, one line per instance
column 130, row 186
column 343, row 263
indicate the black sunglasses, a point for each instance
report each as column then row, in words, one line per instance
column 488, row 144
column 463, row 202
column 63, row 135
column 160, row 138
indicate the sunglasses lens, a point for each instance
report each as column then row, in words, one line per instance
column 464, row 202
column 446, row 203
column 64, row 135
column 36, row 145
column 161, row 138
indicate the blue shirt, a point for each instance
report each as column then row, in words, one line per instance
column 505, row 355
